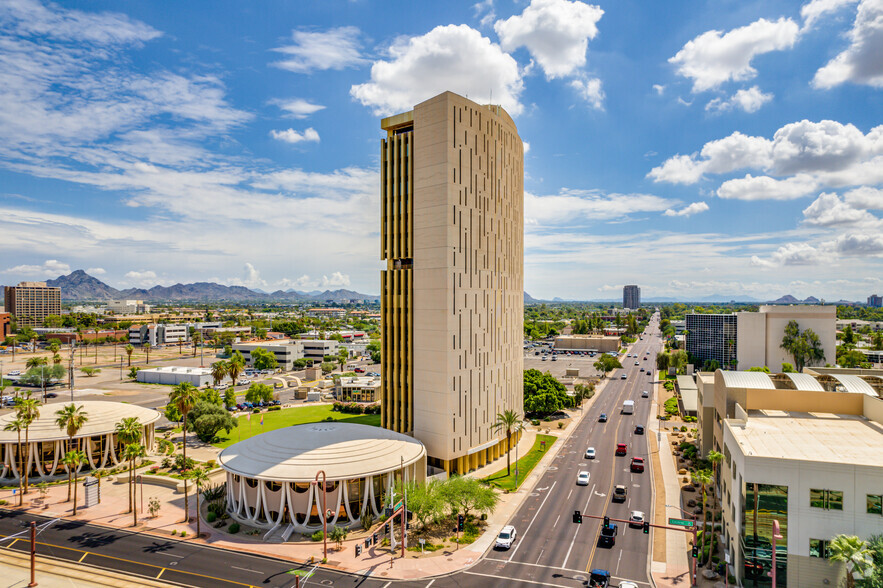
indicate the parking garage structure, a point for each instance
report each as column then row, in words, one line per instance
column 47, row 444
column 273, row 479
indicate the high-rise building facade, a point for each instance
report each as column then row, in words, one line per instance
column 31, row 302
column 712, row 337
column 875, row 301
column 452, row 294
column 631, row 296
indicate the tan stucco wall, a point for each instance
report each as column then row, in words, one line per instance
column 760, row 333
column 583, row 342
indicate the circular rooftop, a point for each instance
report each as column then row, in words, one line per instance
column 102, row 419
column 343, row 450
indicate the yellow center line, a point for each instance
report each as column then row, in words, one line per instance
column 82, row 558
column 159, row 575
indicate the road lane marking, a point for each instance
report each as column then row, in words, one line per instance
column 247, row 570
column 159, row 575
column 430, row 583
column 548, row 494
column 569, row 493
column 519, row 580
column 82, row 558
column 556, row 521
column 569, row 549
column 542, row 551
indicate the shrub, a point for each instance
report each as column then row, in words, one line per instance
column 211, row 517
column 274, row 408
column 183, row 533
column 256, row 410
column 317, row 536
column 535, row 422
column 560, row 425
column 329, row 419
column 234, row 527
column 174, row 532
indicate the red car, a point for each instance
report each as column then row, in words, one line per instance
column 359, row 370
column 621, row 449
column 637, row 464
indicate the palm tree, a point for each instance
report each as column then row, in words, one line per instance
column 129, row 350
column 56, row 359
column 147, row 351
column 184, row 396
column 235, row 366
column 219, row 372
column 703, row 478
column 200, row 478
column 28, row 410
column 129, row 431
column 11, row 341
column 197, row 340
column 54, row 346
column 17, row 425
column 131, row 452
column 71, row 419
column 73, row 460
column 508, row 420
column 35, row 362
column 715, row 457
column 853, row 552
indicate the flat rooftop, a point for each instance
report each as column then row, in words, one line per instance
column 809, row 436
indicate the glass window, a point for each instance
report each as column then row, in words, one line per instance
column 761, row 505
column 875, row 504
column 818, row 548
column 827, row 499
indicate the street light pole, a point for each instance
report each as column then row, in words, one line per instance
column 33, row 554
column 776, row 535
column 695, row 539
column 324, row 514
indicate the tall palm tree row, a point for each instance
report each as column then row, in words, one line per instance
column 219, row 372
column 129, row 350
column 18, row 426
column 235, row 366
column 184, row 397
column 200, row 478
column 70, row 419
column 72, row 460
column 28, row 410
column 131, row 452
column 509, row 421
column 129, row 431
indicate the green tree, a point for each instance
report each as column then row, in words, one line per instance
column 18, row 426
column 42, row 376
column 235, row 366
column 703, row 478
column 129, row 349
column 342, row 356
column 543, row 394
column 184, row 397
column 199, row 477
column 263, row 359
column 805, row 347
column 583, row 392
column 35, row 362
column 258, row 392
column 464, row 494
column 206, row 419
column 763, row 369
column 146, row 348
column 133, row 372
column 877, row 339
column 509, row 421
column 787, row 368
column 606, row 364
column 327, row 367
column 874, row 579
column 229, row 398
column 424, row 500
column 374, row 351
column 662, row 361
column 90, row 371
column 301, row 363
column 711, row 365
column 129, row 431
column 211, row 396
column 715, row 457
column 70, row 419
column 847, row 336
column 219, row 372
column 854, row 553
column 27, row 410
column 72, row 460
column 850, row 358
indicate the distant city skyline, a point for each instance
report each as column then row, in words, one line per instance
column 695, row 148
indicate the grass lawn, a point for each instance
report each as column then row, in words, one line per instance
column 524, row 464
column 290, row 416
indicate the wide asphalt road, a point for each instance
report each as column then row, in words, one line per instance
column 550, row 549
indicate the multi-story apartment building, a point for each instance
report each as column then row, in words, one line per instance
column 875, row 301
column 631, row 296
column 326, row 313
column 754, row 339
column 802, row 449
column 285, row 353
column 452, row 296
column 31, row 302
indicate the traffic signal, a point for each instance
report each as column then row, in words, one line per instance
column 606, row 521
column 646, row 527
column 386, row 528
column 577, row 517
column 358, row 550
column 695, row 551
column 375, row 538
column 460, row 520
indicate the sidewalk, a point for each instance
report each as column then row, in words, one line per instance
column 16, row 572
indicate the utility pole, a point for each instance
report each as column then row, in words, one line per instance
column 33, row 554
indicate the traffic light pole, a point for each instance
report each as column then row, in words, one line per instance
column 578, row 517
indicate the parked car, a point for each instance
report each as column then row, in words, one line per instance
column 359, row 370
column 590, row 453
column 582, row 478
column 51, row 395
column 506, row 537
column 620, row 493
column 275, row 402
column 373, row 374
column 637, row 464
column 621, row 449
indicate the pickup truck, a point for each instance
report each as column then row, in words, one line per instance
column 620, row 493
column 608, row 534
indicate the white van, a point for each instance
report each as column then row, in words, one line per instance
column 628, row 407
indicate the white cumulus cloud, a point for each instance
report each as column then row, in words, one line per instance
column 571, row 206
column 767, row 188
column 51, row 268
column 251, row 278
column 292, row 136
column 589, row 89
column 336, row 48
column 860, row 63
column 815, row 9
column 146, row 278
column 556, row 33
column 748, row 100
column 298, row 107
column 690, row 210
column 453, row 57
column 715, row 57
column 828, row 210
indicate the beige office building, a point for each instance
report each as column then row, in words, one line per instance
column 31, row 302
column 452, row 225
column 760, row 333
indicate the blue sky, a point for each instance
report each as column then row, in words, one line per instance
column 695, row 148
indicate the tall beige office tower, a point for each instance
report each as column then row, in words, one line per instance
column 452, row 296
column 31, row 302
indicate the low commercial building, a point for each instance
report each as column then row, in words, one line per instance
column 857, row 325
column 689, row 395
column 358, row 389
column 174, row 375
column 47, row 443
column 317, row 349
column 270, row 476
column 128, row 307
column 596, row 343
column 326, row 312
column 5, row 325
column 285, row 353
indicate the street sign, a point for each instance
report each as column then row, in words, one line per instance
column 302, row 573
column 680, row 522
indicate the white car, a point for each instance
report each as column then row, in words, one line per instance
column 590, row 453
column 582, row 478
column 636, row 519
column 645, row 394
column 506, row 537
column 627, row 584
